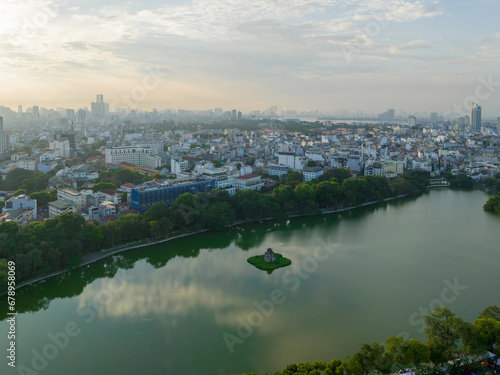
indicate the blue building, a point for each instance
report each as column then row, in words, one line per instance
column 166, row 191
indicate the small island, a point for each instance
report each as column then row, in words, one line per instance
column 269, row 261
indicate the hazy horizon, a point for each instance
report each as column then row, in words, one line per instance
column 411, row 55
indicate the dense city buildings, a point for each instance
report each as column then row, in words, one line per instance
column 182, row 151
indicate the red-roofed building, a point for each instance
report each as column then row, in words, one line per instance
column 127, row 187
column 249, row 182
column 109, row 218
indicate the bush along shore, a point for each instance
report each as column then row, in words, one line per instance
column 453, row 347
column 63, row 242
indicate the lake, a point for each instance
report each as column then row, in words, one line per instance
column 195, row 306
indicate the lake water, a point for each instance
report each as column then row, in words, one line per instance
column 195, row 306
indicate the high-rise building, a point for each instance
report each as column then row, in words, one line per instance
column 240, row 115
column 389, row 115
column 233, row 114
column 81, row 116
column 70, row 115
column 412, row 121
column 99, row 108
column 36, row 112
column 1, row 136
column 498, row 124
column 475, row 117
column 19, row 108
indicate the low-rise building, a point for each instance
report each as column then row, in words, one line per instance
column 22, row 201
column 166, row 191
column 21, row 216
column 312, row 173
column 59, row 207
column 278, row 170
column 248, row 182
column 73, row 196
column 107, row 208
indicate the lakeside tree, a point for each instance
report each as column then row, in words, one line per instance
column 493, row 204
column 442, row 330
column 339, row 174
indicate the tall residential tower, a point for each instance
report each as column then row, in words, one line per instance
column 1, row 136
column 475, row 117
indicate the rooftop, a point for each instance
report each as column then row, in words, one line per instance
column 248, row 176
column 62, row 204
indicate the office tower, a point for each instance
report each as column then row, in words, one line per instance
column 240, row 115
column 412, row 121
column 36, row 112
column 81, row 116
column 98, row 108
column 1, row 136
column 475, row 117
column 70, row 115
column 233, row 114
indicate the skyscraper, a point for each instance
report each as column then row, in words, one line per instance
column 36, row 112
column 99, row 108
column 475, row 117
column 1, row 136
column 412, row 121
column 498, row 124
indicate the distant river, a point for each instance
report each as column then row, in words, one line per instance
column 195, row 306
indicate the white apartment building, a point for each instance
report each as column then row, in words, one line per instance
column 291, row 160
column 373, row 169
column 278, row 170
column 73, row 196
column 27, row 163
column 248, row 181
column 22, row 201
column 312, row 173
column 315, row 156
column 62, row 147
column 178, row 165
column 142, row 156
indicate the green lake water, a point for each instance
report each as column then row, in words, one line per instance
column 195, row 306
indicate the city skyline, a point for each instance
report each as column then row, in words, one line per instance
column 368, row 55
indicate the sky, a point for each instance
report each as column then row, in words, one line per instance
column 361, row 55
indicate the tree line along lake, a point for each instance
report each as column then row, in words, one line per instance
column 195, row 306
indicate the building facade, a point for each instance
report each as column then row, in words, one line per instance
column 312, row 173
column 475, row 117
column 178, row 165
column 72, row 196
column 145, row 195
column 21, row 201
column 142, row 156
column 248, row 182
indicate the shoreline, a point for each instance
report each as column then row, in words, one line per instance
column 94, row 257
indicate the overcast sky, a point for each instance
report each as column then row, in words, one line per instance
column 370, row 55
